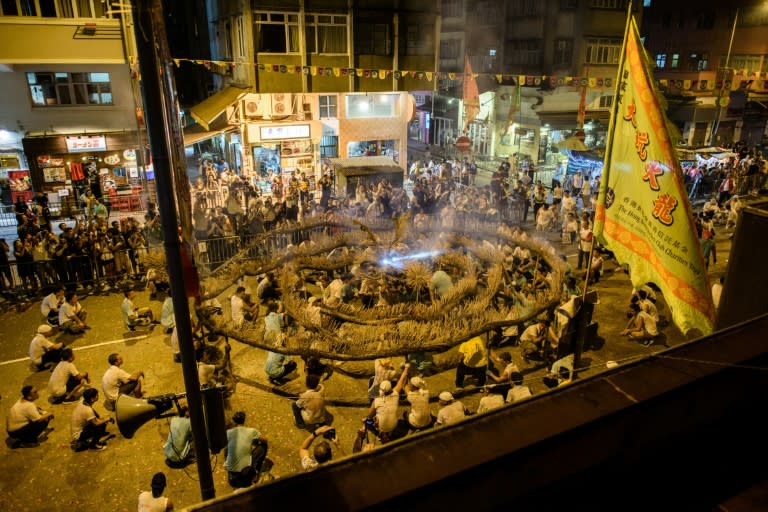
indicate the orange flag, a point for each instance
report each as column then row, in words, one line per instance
column 471, row 95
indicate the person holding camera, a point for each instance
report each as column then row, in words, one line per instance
column 88, row 428
column 322, row 451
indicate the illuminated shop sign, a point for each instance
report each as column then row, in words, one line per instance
column 86, row 143
column 295, row 131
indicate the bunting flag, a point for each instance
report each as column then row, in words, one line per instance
column 471, row 95
column 643, row 215
column 581, row 115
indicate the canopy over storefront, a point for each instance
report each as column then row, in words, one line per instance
column 208, row 110
column 366, row 170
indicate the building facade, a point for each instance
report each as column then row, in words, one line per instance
column 712, row 63
column 69, row 109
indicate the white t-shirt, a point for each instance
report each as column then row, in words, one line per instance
column 650, row 323
column 717, row 292
column 450, row 413
column 113, row 378
column 128, row 310
column 57, row 385
column 148, row 503
column 236, row 306
column 66, row 312
column 490, row 402
column 22, row 413
column 518, row 393
column 205, row 373
column 80, row 417
column 386, row 411
column 49, row 302
column 39, row 345
column 419, row 416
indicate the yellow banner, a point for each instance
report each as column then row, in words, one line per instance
column 643, row 214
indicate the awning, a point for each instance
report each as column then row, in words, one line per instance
column 196, row 133
column 567, row 120
column 208, row 110
column 365, row 165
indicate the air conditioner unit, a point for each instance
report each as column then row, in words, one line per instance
column 257, row 105
column 282, row 104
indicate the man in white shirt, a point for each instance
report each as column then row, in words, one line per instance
column 518, row 390
column 42, row 351
column 66, row 382
column 384, row 407
column 50, row 306
column 240, row 309
column 87, row 428
column 117, row 381
column 26, row 421
column 450, row 411
column 491, row 399
column 132, row 316
column 309, row 410
column 417, row 394
column 72, row 315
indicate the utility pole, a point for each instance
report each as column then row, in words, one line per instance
column 165, row 138
column 724, row 69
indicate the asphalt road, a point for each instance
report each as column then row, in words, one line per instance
column 52, row 477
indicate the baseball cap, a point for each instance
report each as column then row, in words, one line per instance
column 44, row 329
column 445, row 396
column 418, row 382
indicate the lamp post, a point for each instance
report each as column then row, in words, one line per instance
column 719, row 112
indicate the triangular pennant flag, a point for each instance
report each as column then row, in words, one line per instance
column 359, row 72
column 499, row 78
column 177, row 62
column 336, row 71
column 397, row 74
column 344, row 72
column 592, row 82
column 283, row 68
column 521, row 79
column 428, row 74
column 313, row 70
column 452, row 76
column 687, row 84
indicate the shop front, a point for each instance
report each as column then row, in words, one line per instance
column 110, row 165
column 278, row 151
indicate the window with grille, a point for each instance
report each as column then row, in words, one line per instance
column 603, row 51
column 56, row 8
column 750, row 63
column 56, row 89
column 450, row 49
column 419, row 39
column 372, row 39
column 275, row 32
column 661, row 60
column 326, row 33
column 674, row 61
column 452, row 9
column 522, row 8
column 329, row 146
column 563, row 52
column 569, row 4
column 524, row 52
column 606, row 101
column 328, row 106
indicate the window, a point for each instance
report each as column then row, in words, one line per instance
column 452, row 9
column 329, row 146
column 675, row 61
column 419, row 39
column 750, row 63
column 371, row 105
column 705, row 20
column 372, row 39
column 569, row 4
column 563, row 52
column 326, row 33
column 276, row 32
column 52, row 89
column 698, row 62
column 450, row 49
column 603, row 51
column 608, row 4
column 328, row 106
column 661, row 60
column 646, row 3
column 524, row 52
column 522, row 8
column 606, row 101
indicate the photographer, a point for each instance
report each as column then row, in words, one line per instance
column 322, row 452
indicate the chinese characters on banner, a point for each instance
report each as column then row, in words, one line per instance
column 643, row 214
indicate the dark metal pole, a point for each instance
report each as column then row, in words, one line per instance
column 162, row 124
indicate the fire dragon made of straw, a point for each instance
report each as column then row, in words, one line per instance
column 353, row 332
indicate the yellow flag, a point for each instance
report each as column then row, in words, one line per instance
column 643, row 214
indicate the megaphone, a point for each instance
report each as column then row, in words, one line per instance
column 131, row 413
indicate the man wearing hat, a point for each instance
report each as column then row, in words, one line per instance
column 42, row 351
column 384, row 407
column 451, row 410
column 417, row 394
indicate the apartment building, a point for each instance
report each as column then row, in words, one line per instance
column 69, row 119
column 712, row 63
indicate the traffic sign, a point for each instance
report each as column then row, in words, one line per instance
column 463, row 144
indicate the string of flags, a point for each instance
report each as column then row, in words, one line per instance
column 754, row 80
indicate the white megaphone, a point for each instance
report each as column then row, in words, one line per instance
column 131, row 413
